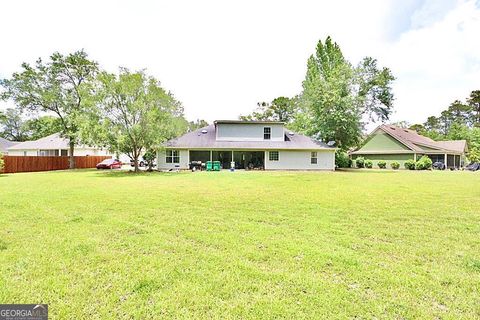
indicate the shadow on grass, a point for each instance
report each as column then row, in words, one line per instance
column 131, row 173
column 385, row 171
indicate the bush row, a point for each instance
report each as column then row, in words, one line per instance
column 342, row 161
column 361, row 162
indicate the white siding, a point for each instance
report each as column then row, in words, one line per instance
column 162, row 163
column 300, row 160
column 77, row 152
column 21, row 152
column 248, row 132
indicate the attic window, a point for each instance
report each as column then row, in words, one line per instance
column 267, row 133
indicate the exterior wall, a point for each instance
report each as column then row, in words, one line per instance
column 382, row 141
column 300, row 160
column 248, row 132
column 21, row 152
column 163, row 165
column 77, row 152
column 389, row 158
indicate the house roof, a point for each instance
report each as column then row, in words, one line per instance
column 5, row 144
column 415, row 141
column 198, row 140
column 54, row 141
column 248, row 121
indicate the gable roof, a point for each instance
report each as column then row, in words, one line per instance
column 415, row 141
column 54, row 141
column 198, row 140
column 5, row 144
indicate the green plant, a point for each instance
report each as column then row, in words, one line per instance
column 2, row 162
column 395, row 165
column 474, row 155
column 360, row 162
column 425, row 163
column 342, row 160
column 382, row 164
column 410, row 164
column 149, row 158
column 368, row 164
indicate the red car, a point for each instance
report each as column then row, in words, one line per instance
column 109, row 164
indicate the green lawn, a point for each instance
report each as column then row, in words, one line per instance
column 361, row 244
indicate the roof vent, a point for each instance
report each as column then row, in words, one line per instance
column 393, row 128
column 204, row 131
column 331, row 143
column 291, row 133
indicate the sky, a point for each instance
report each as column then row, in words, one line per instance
column 219, row 58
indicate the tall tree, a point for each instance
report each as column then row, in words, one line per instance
column 337, row 96
column 12, row 125
column 135, row 114
column 62, row 86
column 280, row 109
column 43, row 126
column 474, row 103
column 194, row 125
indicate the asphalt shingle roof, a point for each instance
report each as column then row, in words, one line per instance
column 197, row 139
column 5, row 144
column 54, row 141
column 415, row 141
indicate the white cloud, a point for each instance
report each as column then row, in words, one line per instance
column 436, row 64
column 221, row 57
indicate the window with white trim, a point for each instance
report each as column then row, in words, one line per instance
column 267, row 133
column 273, row 156
column 173, row 156
column 313, row 157
column 48, row 153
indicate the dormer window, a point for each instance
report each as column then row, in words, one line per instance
column 267, row 133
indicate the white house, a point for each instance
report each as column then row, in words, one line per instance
column 250, row 144
column 53, row 145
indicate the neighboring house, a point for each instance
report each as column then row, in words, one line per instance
column 53, row 145
column 391, row 143
column 250, row 144
column 5, row 144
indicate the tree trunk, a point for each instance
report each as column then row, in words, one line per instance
column 135, row 161
column 72, row 157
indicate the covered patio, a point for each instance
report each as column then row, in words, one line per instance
column 244, row 159
column 451, row 161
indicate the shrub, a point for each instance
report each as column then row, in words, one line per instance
column 342, row 160
column 368, row 164
column 474, row 155
column 360, row 162
column 1, row 163
column 395, row 165
column 425, row 163
column 410, row 164
column 382, row 164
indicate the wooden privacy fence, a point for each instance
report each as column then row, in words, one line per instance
column 29, row 164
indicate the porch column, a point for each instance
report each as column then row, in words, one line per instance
column 446, row 165
column 211, row 158
column 415, row 157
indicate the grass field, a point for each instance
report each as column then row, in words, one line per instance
column 362, row 244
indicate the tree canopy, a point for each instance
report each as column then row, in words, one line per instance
column 62, row 86
column 281, row 109
column 134, row 114
column 337, row 97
